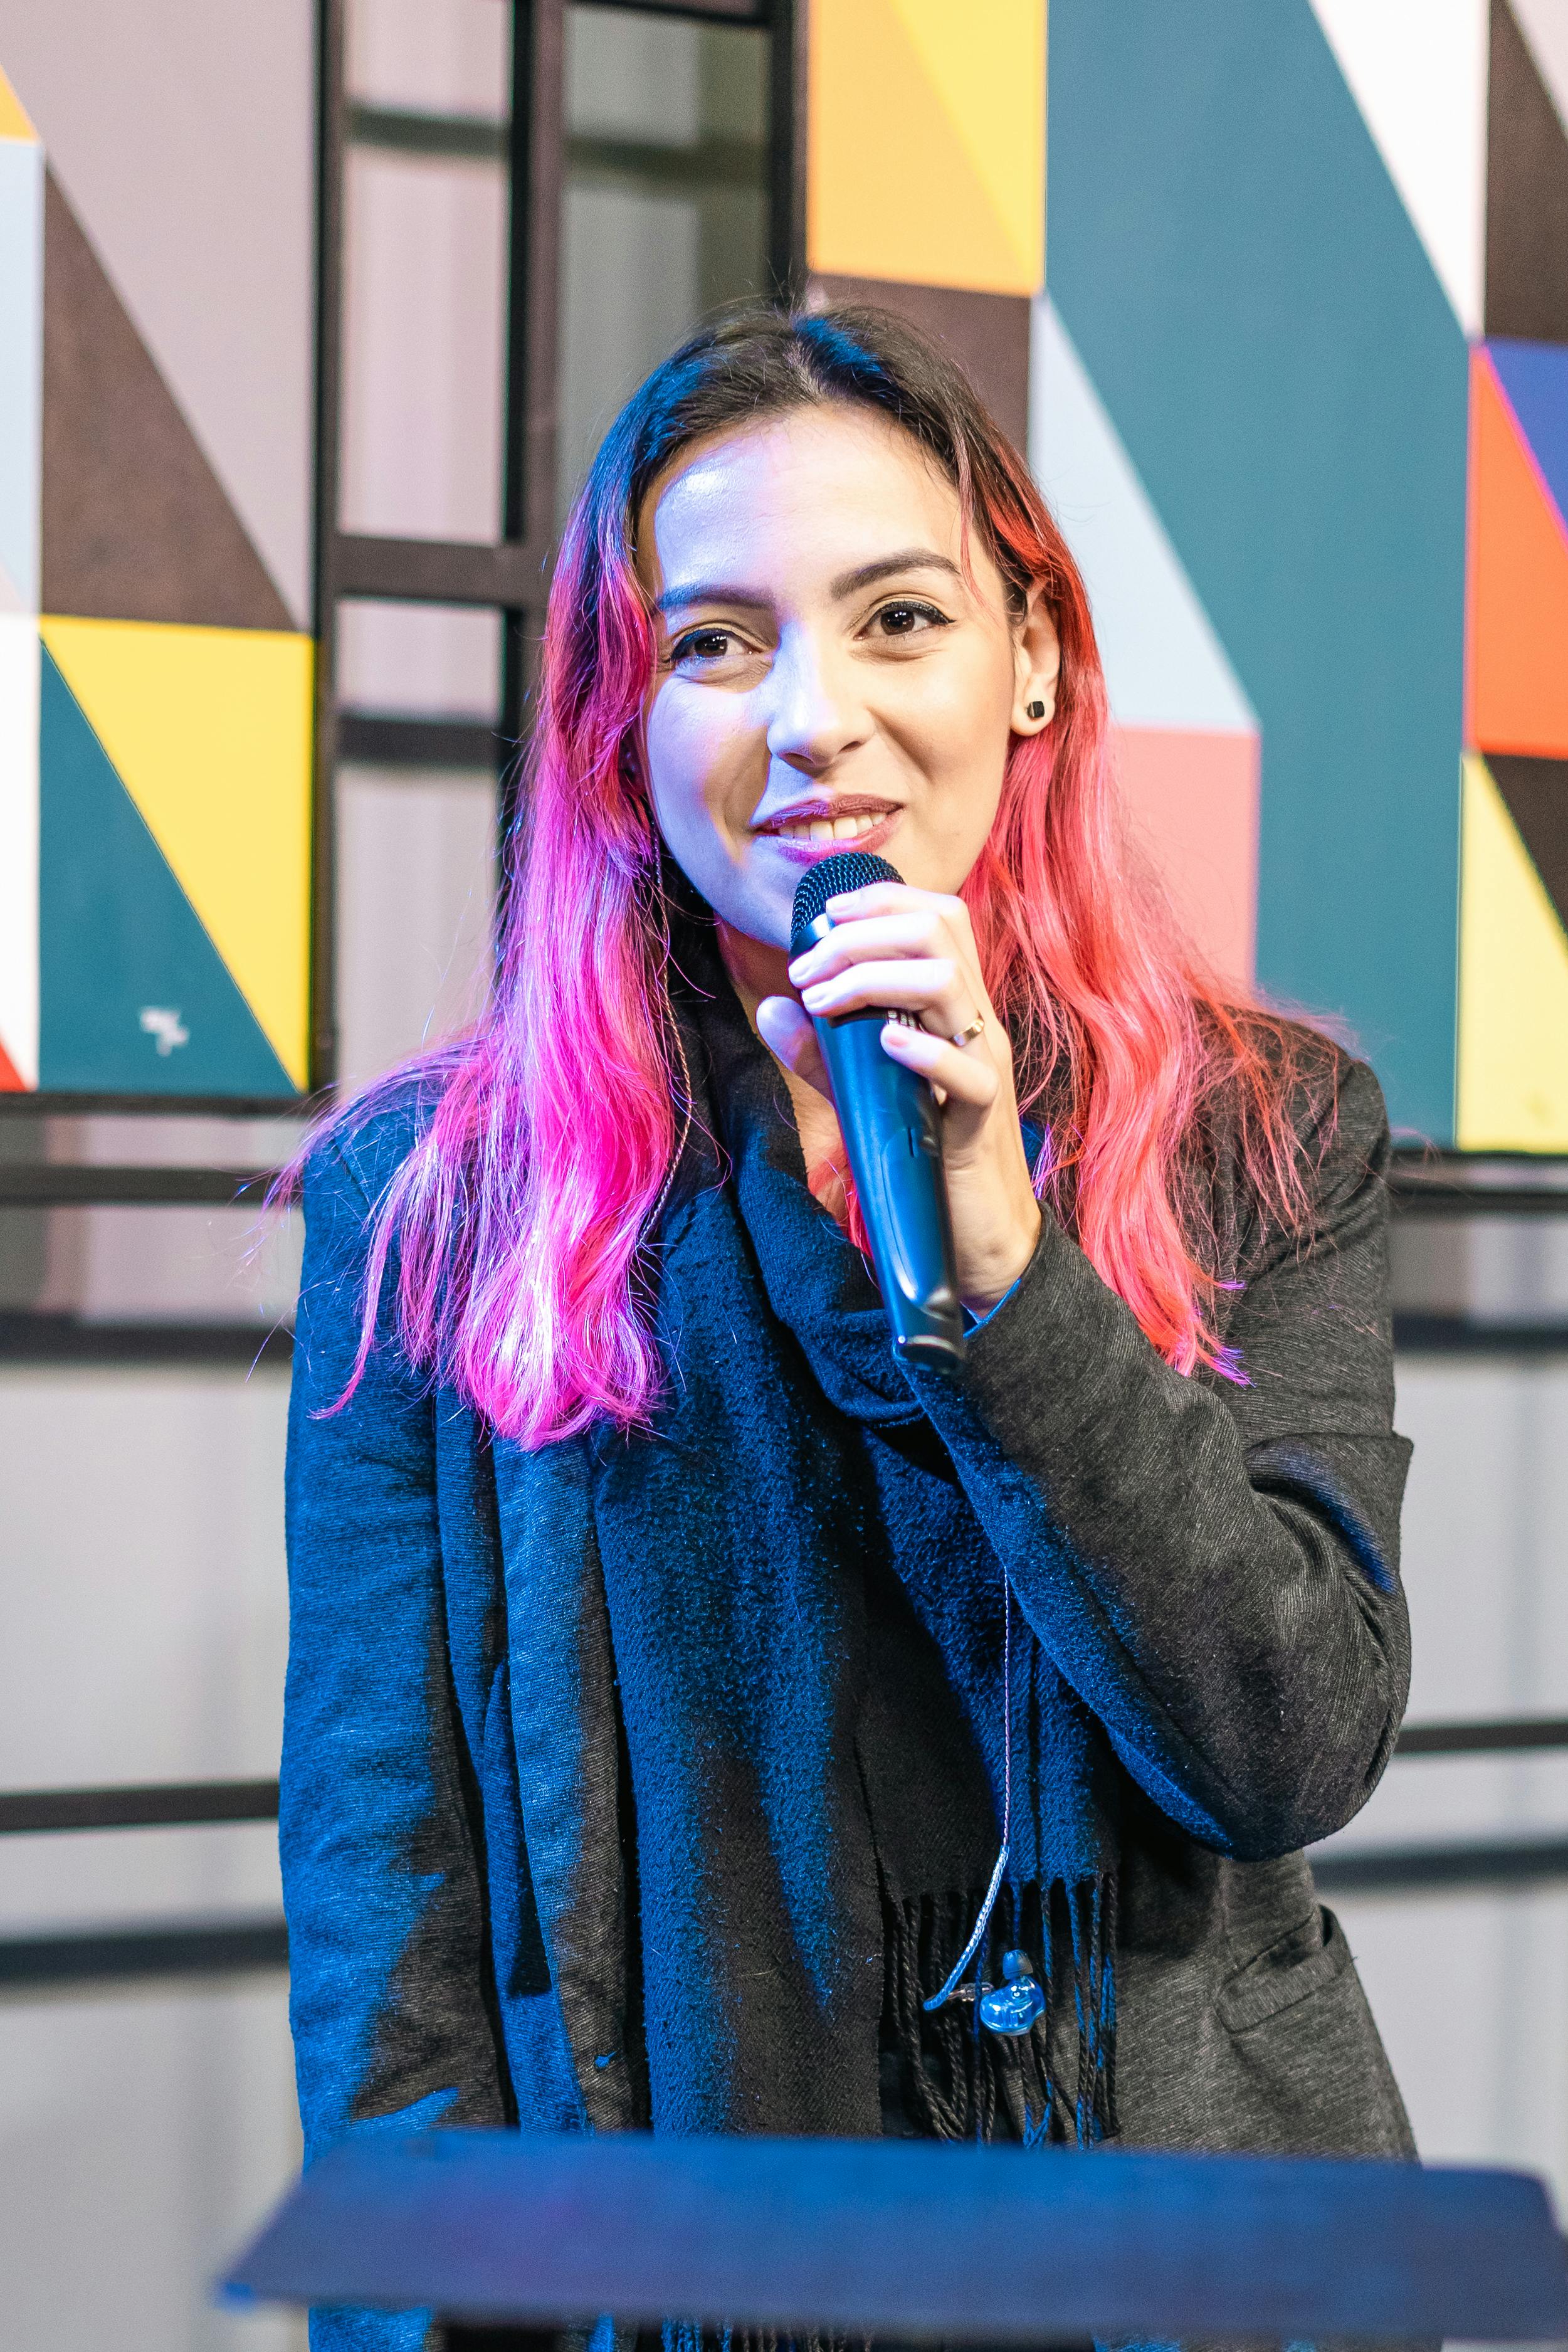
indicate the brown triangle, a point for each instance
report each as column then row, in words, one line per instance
column 1527, row 194
column 136, row 525
column 1535, row 793
column 987, row 333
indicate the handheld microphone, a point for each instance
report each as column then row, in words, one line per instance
column 888, row 1116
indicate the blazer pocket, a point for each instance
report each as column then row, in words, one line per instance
column 1300, row 1963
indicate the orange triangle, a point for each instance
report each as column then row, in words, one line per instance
column 890, row 190
column 14, row 122
column 10, row 1075
column 1516, row 673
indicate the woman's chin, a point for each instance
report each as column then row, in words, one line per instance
column 758, row 921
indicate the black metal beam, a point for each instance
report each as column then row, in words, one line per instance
column 163, row 1804
column 507, row 572
column 42, row 1339
column 533, row 366
column 158, row 1804
column 1419, row 1196
column 1438, row 1869
column 1517, row 1735
column 1478, row 1184
column 787, row 150
column 709, row 163
column 1420, row 1334
column 415, row 130
column 711, row 11
column 68, row 1104
column 194, row 1948
column 712, row 162
column 376, row 739
column 61, row 1185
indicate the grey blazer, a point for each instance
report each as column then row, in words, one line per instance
column 453, row 1826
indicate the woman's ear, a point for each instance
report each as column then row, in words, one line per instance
column 1036, row 665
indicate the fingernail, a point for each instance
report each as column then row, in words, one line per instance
column 814, row 995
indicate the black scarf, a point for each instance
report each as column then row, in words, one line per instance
column 808, row 1627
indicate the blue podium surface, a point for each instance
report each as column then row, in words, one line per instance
column 898, row 2238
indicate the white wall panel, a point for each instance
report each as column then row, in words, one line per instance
column 415, row 883
column 454, row 57
column 91, row 1879
column 144, row 1610
column 424, row 318
column 1470, row 1990
column 1470, row 1994
column 1418, row 70
column 143, row 2135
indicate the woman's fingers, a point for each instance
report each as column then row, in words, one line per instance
column 785, row 1031
column 932, row 986
column 912, row 932
column 964, row 1077
column 893, row 898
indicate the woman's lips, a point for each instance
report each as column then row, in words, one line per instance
column 806, row 852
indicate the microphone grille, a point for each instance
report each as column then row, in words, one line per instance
column 846, row 869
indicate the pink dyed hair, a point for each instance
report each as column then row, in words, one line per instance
column 519, row 1212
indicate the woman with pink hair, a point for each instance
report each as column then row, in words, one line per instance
column 698, row 1718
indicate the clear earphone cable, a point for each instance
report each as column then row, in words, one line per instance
column 939, row 1999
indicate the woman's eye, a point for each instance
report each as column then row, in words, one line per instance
column 905, row 619
column 702, row 645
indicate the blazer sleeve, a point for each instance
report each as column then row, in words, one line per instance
column 381, row 1867
column 1212, row 1568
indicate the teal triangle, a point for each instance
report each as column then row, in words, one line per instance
column 135, row 999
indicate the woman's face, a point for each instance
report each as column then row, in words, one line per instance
column 827, row 676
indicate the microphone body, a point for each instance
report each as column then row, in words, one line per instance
column 888, row 1118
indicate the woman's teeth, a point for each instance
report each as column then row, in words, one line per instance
column 822, row 828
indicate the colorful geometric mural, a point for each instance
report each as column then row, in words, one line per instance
column 1513, row 973
column 1296, row 381
column 155, row 709
column 1517, row 665
column 1514, row 947
column 925, row 163
column 21, row 404
column 1187, row 737
column 1261, row 319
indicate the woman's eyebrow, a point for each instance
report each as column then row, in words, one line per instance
column 908, row 559
column 848, row 583
column 710, row 592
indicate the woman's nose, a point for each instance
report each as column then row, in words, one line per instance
column 816, row 714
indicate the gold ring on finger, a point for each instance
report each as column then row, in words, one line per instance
column 967, row 1036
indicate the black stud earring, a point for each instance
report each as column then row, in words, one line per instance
column 1036, row 710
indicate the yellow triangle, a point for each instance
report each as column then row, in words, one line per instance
column 210, row 732
column 986, row 61
column 14, row 122
column 1513, row 987
column 891, row 191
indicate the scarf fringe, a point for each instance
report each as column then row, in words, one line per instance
column 959, row 2082
column 680, row 2336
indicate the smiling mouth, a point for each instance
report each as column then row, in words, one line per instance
column 815, row 827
